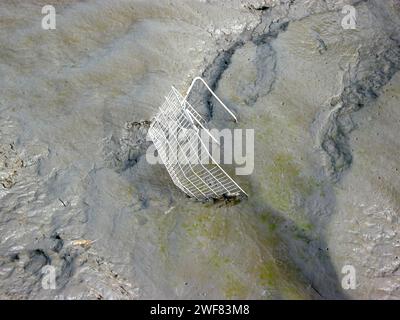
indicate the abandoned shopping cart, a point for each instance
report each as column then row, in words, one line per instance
column 177, row 133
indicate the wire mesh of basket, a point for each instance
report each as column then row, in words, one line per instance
column 175, row 132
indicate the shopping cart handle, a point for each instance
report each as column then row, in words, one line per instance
column 212, row 92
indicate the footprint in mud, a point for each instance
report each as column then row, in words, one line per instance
column 124, row 152
column 37, row 260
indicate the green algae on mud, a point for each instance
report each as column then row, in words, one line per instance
column 286, row 184
column 235, row 242
column 287, row 191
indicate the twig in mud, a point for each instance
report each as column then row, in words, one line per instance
column 83, row 243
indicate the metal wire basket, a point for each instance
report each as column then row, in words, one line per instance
column 175, row 132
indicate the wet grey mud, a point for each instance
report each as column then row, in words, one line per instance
column 77, row 193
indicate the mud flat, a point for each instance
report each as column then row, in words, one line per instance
column 77, row 193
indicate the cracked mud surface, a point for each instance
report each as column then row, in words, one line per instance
column 77, row 193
